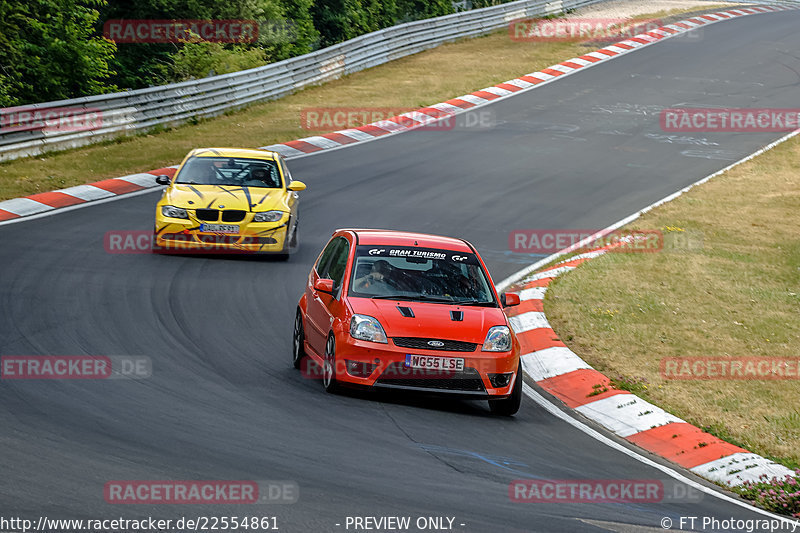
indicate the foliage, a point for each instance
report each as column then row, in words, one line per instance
column 780, row 496
column 339, row 20
column 197, row 60
column 49, row 50
column 486, row 3
column 55, row 49
column 142, row 64
column 632, row 384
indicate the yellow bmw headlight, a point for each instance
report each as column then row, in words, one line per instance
column 268, row 216
column 174, row 212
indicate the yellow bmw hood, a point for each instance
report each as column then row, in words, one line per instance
column 226, row 197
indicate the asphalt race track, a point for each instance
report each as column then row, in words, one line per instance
column 224, row 401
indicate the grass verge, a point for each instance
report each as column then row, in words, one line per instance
column 735, row 293
column 416, row 81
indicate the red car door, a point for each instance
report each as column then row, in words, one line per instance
column 322, row 306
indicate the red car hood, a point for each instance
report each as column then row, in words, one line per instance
column 431, row 320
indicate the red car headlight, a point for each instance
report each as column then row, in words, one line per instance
column 367, row 328
column 498, row 340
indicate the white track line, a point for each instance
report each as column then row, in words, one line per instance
column 558, row 413
column 549, row 407
column 81, row 206
column 517, row 276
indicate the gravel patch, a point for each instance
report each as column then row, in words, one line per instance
column 631, row 8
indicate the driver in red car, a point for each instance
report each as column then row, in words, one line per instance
column 377, row 280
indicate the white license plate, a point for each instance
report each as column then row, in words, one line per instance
column 434, row 363
column 219, row 228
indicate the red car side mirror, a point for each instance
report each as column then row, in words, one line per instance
column 509, row 299
column 324, row 285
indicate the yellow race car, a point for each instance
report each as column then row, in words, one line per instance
column 228, row 200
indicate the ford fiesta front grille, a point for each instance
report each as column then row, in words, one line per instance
column 398, row 375
column 418, row 343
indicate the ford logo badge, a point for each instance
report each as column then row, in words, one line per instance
column 436, row 344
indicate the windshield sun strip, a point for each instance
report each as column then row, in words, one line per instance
column 491, row 302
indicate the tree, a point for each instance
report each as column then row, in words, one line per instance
column 143, row 64
column 54, row 49
column 422, row 9
column 49, row 51
column 338, row 20
column 304, row 36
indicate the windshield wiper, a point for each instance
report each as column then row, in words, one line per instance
column 426, row 298
column 437, row 299
column 414, row 298
column 418, row 298
column 475, row 302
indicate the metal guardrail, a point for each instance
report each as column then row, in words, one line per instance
column 137, row 110
column 789, row 3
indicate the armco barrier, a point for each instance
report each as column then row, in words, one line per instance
column 127, row 112
column 41, row 203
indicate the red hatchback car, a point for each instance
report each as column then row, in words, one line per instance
column 396, row 310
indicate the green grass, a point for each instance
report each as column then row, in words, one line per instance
column 738, row 296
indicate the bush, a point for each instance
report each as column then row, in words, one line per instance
column 780, row 496
column 49, row 51
column 198, row 60
column 54, row 49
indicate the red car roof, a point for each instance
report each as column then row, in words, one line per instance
column 380, row 237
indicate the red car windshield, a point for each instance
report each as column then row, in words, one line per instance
column 422, row 274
